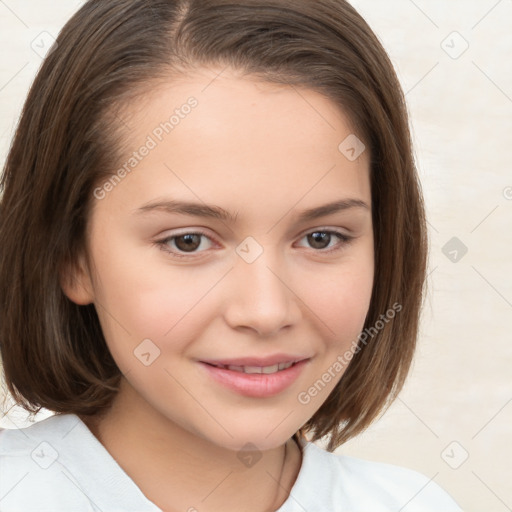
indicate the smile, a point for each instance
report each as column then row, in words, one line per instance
column 256, row 369
column 252, row 380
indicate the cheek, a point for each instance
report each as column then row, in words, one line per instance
column 126, row 299
column 132, row 307
column 141, row 298
column 341, row 297
column 341, row 301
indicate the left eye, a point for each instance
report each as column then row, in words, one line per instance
column 319, row 238
column 187, row 244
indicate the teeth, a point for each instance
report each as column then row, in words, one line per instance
column 258, row 369
column 268, row 369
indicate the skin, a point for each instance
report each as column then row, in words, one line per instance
column 265, row 152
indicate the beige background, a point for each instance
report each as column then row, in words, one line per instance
column 458, row 400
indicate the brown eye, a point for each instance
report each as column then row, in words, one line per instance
column 184, row 245
column 321, row 240
column 188, row 243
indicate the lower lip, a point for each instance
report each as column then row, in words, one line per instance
column 257, row 385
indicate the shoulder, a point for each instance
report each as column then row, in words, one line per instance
column 20, row 441
column 30, row 467
column 366, row 485
column 57, row 464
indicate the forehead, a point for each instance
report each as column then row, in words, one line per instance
column 243, row 107
column 244, row 143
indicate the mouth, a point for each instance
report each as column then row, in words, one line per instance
column 257, row 378
column 267, row 370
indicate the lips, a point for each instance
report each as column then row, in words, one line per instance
column 256, row 369
column 256, row 377
column 261, row 362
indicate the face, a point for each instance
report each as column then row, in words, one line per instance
column 252, row 276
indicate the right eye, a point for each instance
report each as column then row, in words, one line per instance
column 185, row 245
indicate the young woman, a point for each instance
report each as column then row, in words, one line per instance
column 213, row 255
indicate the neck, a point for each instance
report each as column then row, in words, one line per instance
column 178, row 470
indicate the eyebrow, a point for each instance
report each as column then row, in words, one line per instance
column 216, row 212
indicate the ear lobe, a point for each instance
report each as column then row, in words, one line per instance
column 75, row 282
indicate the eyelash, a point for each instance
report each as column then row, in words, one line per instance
column 163, row 243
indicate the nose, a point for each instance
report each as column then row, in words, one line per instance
column 261, row 297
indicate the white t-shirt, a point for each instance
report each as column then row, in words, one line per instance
column 58, row 465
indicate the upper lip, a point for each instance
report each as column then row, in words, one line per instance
column 256, row 361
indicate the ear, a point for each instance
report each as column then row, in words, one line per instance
column 76, row 283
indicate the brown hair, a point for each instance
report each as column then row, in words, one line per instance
column 69, row 138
